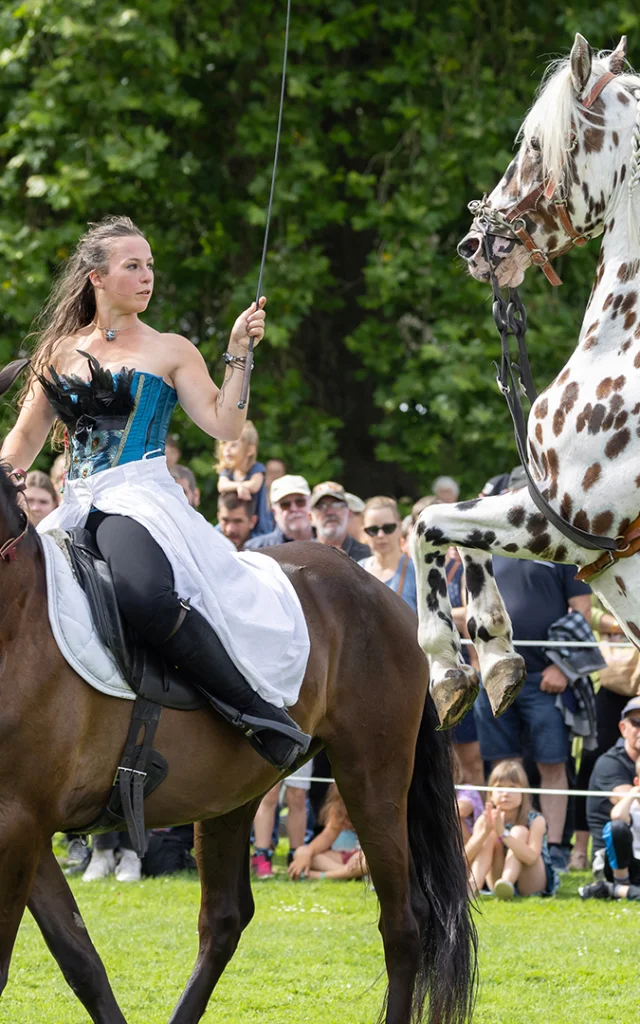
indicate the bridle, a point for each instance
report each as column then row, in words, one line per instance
column 8, row 549
column 513, row 378
column 511, row 220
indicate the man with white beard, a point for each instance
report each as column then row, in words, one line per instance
column 330, row 517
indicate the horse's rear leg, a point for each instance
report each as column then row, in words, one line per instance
column 58, row 918
column 376, row 799
column 226, row 907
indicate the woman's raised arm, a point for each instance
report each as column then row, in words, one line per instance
column 215, row 410
column 25, row 441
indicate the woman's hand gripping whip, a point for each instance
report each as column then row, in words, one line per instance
column 249, row 363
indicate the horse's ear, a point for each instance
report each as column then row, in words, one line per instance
column 580, row 63
column 10, row 372
column 619, row 56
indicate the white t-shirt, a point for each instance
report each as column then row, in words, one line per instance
column 635, row 827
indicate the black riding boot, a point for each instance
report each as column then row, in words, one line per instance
column 196, row 650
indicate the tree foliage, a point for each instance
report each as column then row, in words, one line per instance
column 378, row 361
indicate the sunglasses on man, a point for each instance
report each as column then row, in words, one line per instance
column 286, row 503
column 386, row 528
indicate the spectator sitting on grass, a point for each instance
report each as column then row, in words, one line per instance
column 622, row 848
column 240, row 474
column 388, row 563
column 335, row 853
column 470, row 805
column 508, row 848
column 615, row 771
column 290, row 506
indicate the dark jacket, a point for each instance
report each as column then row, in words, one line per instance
column 266, row 540
column 354, row 549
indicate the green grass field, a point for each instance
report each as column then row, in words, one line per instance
column 312, row 955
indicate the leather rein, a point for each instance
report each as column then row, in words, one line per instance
column 515, row 379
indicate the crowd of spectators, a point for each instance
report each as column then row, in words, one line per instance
column 514, row 843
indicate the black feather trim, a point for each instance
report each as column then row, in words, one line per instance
column 105, row 393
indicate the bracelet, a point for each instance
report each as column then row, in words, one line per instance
column 238, row 361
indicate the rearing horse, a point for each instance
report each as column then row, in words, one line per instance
column 575, row 177
column 363, row 698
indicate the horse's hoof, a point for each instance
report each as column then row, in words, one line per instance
column 453, row 695
column 504, row 682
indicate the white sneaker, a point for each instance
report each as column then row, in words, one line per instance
column 129, row 867
column 101, row 865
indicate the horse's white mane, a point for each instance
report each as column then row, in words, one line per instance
column 556, row 109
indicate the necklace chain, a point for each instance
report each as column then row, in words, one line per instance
column 110, row 333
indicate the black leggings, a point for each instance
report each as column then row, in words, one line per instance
column 142, row 576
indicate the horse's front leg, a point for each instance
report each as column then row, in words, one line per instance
column 511, row 525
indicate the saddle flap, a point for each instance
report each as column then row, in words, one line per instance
column 142, row 667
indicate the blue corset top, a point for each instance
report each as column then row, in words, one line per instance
column 112, row 418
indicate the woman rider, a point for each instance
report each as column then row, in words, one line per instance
column 232, row 623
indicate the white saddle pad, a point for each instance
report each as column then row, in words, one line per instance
column 72, row 625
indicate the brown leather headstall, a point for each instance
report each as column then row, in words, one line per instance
column 515, row 221
column 629, row 544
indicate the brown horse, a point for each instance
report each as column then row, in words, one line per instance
column 363, row 698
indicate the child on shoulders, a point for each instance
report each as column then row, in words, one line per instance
column 508, row 849
column 240, row 473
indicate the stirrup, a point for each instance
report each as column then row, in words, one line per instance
column 252, row 726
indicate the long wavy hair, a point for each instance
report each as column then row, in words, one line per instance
column 72, row 302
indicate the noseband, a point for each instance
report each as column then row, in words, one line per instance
column 8, row 549
column 511, row 221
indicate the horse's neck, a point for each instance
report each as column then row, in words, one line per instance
column 612, row 319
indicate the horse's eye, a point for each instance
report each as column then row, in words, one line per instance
column 535, row 144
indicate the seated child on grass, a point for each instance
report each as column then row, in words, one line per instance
column 622, row 849
column 238, row 472
column 508, row 849
column 335, row 853
column 470, row 805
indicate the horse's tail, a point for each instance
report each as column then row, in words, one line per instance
column 447, row 980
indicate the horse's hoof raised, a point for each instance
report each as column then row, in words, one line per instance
column 453, row 695
column 504, row 682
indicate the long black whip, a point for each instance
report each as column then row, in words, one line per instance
column 249, row 363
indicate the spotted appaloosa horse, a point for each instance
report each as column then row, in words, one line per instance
column 575, row 176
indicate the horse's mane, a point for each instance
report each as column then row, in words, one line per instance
column 556, row 111
column 9, row 504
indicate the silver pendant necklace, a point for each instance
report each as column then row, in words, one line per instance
column 111, row 332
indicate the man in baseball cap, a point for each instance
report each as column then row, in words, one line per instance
column 330, row 516
column 614, row 771
column 289, row 498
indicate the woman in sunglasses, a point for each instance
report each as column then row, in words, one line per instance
column 388, row 562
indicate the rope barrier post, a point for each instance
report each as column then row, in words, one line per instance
column 248, row 367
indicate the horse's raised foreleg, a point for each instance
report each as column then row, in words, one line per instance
column 226, row 907
column 58, row 918
column 511, row 525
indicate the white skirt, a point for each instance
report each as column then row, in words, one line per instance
column 246, row 597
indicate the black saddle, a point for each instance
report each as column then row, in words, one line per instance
column 142, row 667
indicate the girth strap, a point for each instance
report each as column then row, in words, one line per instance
column 131, row 773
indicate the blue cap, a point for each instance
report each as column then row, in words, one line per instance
column 631, row 705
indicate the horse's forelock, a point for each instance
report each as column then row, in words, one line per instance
column 557, row 110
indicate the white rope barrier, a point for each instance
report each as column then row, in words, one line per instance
column 563, row 643
column 490, row 789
